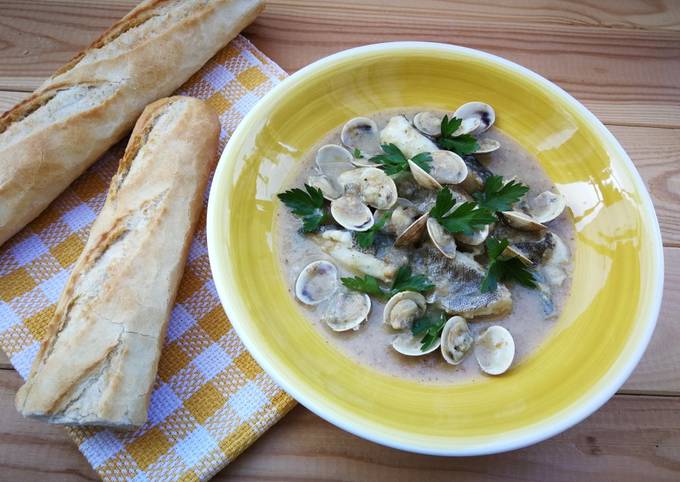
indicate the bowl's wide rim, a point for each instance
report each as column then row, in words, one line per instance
column 540, row 431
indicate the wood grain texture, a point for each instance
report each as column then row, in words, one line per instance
column 622, row 60
column 606, row 447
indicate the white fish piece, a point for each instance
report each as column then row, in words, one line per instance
column 555, row 265
column 357, row 261
column 402, row 134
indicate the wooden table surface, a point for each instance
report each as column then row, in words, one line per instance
column 621, row 58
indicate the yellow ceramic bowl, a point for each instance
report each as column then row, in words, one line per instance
column 609, row 316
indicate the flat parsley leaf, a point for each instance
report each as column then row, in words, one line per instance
column 502, row 267
column 461, row 145
column 406, row 281
column 393, row 161
column 309, row 206
column 430, row 328
column 466, row 218
column 403, row 281
column 498, row 195
column 366, row 238
column 356, row 153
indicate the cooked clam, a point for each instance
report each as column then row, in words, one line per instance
column 402, row 216
column 495, row 350
column 476, row 238
column 351, row 213
column 402, row 134
column 523, row 222
column 409, row 345
column 403, row 308
column 422, row 177
column 430, row 123
column 329, row 190
column 361, row 133
column 477, row 110
column 347, row 310
column 413, row 233
column 547, row 206
column 376, row 188
column 332, row 160
column 442, row 240
column 316, row 282
column 456, row 340
column 448, row 167
column 487, row 145
column 513, row 252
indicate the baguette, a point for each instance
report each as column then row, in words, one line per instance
column 98, row 362
column 49, row 139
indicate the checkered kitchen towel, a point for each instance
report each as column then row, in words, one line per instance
column 210, row 400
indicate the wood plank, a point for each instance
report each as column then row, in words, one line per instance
column 611, row 445
column 625, row 73
column 4, row 362
column 656, row 154
column 657, row 372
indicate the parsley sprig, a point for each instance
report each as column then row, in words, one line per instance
column 404, row 280
column 366, row 238
column 461, row 145
column 309, row 206
column 466, row 218
column 502, row 267
column 393, row 161
column 430, row 328
column 498, row 195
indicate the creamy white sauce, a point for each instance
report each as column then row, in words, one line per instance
column 370, row 345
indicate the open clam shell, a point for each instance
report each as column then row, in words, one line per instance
column 316, row 282
column 495, row 350
column 456, row 340
column 332, row 160
column 422, row 177
column 447, row 167
column 409, row 345
column 513, row 252
column 430, row 124
column 547, row 206
column 376, row 188
column 443, row 241
column 413, row 233
column 487, row 145
column 403, row 308
column 477, row 110
column 522, row 221
column 347, row 310
column 476, row 238
column 351, row 213
column 329, row 189
column 361, row 133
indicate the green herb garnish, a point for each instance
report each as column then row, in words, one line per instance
column 466, row 218
column 430, row 328
column 500, row 196
column 309, row 206
column 403, row 281
column 366, row 238
column 356, row 153
column 393, row 161
column 461, row 145
column 502, row 267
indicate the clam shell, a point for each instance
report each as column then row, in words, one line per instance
column 376, row 188
column 547, row 206
column 494, row 350
column 346, row 310
column 477, row 110
column 403, row 308
column 316, row 282
column 456, row 340
column 443, row 241
column 361, row 133
column 351, row 213
column 413, row 233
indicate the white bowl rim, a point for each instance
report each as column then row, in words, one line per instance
column 539, row 431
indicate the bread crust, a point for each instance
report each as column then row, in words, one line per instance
column 145, row 56
column 99, row 360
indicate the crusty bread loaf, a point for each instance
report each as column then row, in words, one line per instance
column 89, row 104
column 98, row 363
